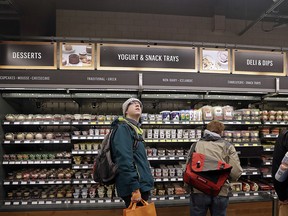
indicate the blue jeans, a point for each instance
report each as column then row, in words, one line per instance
column 200, row 203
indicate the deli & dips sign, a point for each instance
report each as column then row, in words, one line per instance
column 27, row 55
column 258, row 62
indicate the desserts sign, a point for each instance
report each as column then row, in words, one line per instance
column 27, row 55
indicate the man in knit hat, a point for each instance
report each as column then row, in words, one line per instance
column 134, row 179
column 128, row 102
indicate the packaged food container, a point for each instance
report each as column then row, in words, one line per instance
column 272, row 118
column 10, row 117
column 149, row 152
column 245, row 186
column 57, row 117
column 68, row 117
column 245, row 134
column 39, row 136
column 183, row 115
column 272, row 112
column 144, row 116
column 20, row 117
column 77, row 117
column 264, row 131
column 255, row 112
column 29, row 136
column 9, row 136
column 237, row 115
column 218, row 113
column 170, row 152
column 236, row 186
column 161, row 152
column 158, row 117
column 20, row 136
column 165, row 115
column 86, row 117
column 237, row 134
column 227, row 113
column 39, row 117
column 207, row 112
column 246, row 118
column 151, row 117
column 48, row 117
column 279, row 118
column 228, row 133
column 175, row 115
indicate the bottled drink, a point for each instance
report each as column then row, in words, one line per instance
column 282, row 173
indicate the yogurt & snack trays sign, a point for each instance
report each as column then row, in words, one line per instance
column 27, row 55
column 146, row 58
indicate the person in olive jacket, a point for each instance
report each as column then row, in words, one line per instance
column 213, row 145
column 134, row 179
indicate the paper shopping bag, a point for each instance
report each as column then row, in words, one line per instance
column 148, row 209
column 283, row 210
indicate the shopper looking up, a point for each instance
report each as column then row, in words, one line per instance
column 281, row 188
column 134, row 179
column 211, row 144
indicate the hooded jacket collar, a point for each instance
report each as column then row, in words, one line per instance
column 136, row 125
column 210, row 136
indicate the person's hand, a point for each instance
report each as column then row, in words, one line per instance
column 284, row 202
column 136, row 196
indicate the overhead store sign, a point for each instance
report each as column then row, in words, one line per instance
column 259, row 62
column 27, row 55
column 214, row 60
column 146, row 58
column 283, row 83
column 69, row 79
column 77, row 56
column 203, row 82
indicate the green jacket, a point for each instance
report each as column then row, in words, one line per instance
column 133, row 167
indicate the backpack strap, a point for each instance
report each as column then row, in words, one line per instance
column 192, row 149
column 136, row 132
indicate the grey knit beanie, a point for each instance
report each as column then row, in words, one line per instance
column 126, row 104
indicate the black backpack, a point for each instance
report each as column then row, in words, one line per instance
column 104, row 169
